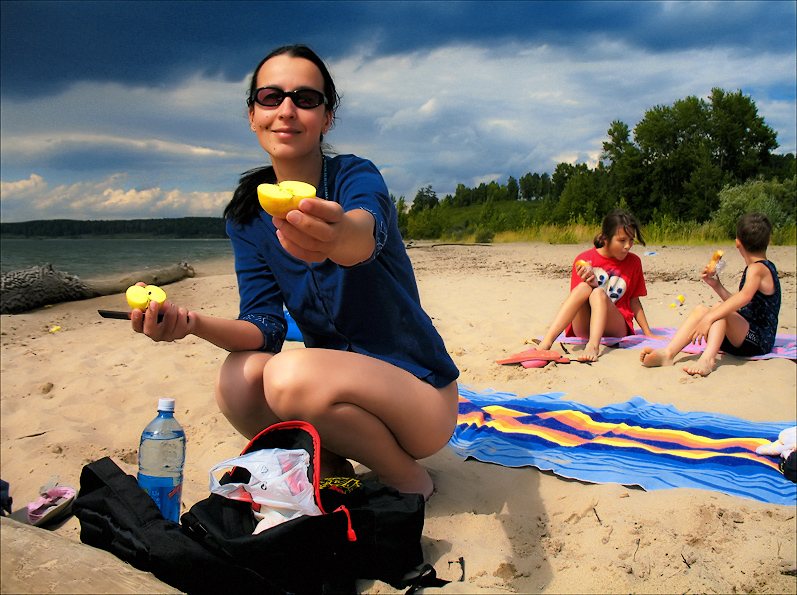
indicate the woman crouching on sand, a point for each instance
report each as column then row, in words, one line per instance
column 375, row 378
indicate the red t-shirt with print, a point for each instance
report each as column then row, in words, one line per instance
column 620, row 279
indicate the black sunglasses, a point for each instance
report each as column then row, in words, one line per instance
column 302, row 98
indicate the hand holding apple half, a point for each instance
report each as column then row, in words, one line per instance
column 279, row 199
column 583, row 263
column 716, row 264
column 140, row 297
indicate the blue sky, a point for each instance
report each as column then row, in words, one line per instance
column 119, row 110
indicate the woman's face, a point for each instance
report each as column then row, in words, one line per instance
column 286, row 131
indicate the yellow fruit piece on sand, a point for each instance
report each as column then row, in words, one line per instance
column 140, row 297
column 279, row 199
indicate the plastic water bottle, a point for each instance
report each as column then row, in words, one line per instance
column 161, row 457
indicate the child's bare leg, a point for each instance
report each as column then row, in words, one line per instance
column 705, row 364
column 365, row 409
column 604, row 316
column 653, row 358
column 733, row 326
column 574, row 302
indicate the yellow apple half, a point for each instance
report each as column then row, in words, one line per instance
column 140, row 297
column 712, row 265
column 279, row 199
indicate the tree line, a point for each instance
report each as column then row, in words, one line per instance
column 695, row 161
column 679, row 164
column 184, row 227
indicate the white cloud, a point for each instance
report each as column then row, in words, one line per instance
column 31, row 146
column 456, row 114
column 106, row 199
column 462, row 114
column 23, row 188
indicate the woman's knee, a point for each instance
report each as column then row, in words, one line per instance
column 240, row 379
column 291, row 386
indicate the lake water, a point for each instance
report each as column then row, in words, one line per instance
column 92, row 258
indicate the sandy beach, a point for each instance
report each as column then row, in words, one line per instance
column 85, row 391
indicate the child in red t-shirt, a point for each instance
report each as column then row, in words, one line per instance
column 605, row 287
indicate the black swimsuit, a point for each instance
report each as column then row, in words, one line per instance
column 762, row 314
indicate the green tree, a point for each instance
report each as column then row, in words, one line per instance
column 626, row 171
column 776, row 199
column 527, row 186
column 684, row 153
column 401, row 210
column 741, row 141
column 426, row 198
column 512, row 189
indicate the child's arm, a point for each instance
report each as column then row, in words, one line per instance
column 716, row 285
column 639, row 316
column 756, row 273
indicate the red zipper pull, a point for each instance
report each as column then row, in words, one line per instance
column 350, row 534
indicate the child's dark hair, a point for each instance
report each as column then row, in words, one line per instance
column 753, row 231
column 618, row 219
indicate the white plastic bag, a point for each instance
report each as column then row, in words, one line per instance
column 278, row 481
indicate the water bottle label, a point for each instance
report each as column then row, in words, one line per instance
column 165, row 494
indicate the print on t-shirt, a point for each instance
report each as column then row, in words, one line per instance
column 611, row 282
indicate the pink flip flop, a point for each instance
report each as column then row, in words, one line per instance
column 55, row 502
column 544, row 355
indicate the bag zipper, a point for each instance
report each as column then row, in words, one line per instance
column 350, row 534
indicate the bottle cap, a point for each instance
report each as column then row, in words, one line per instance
column 166, row 404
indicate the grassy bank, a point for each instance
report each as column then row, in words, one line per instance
column 681, row 234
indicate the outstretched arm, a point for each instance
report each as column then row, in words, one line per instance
column 320, row 230
column 178, row 322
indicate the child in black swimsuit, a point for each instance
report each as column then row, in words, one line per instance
column 743, row 323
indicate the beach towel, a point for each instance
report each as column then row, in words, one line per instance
column 635, row 443
column 785, row 345
column 294, row 334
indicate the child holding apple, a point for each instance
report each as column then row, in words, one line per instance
column 605, row 287
column 375, row 378
column 743, row 323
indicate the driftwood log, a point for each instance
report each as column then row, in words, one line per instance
column 38, row 286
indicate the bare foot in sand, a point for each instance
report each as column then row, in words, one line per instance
column 419, row 483
column 653, row 358
column 590, row 353
column 333, row 465
column 702, row 367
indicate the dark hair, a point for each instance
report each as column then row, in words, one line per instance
column 299, row 51
column 753, row 231
column 615, row 220
column 244, row 207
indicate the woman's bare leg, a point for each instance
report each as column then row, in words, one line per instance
column 242, row 400
column 240, row 395
column 363, row 409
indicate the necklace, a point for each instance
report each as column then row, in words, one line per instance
column 326, row 186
